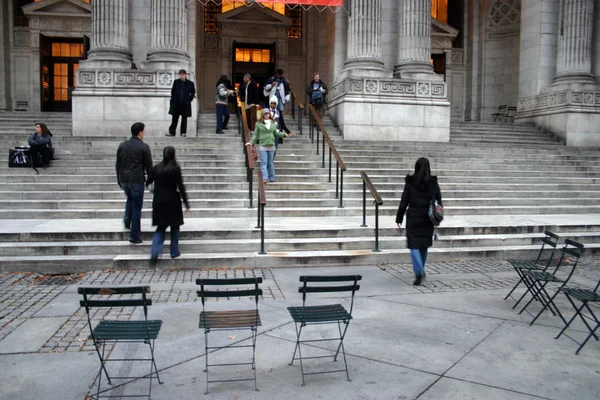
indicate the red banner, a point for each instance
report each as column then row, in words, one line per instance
column 332, row 3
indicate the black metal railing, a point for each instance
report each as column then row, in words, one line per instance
column 297, row 105
column 376, row 200
column 262, row 202
column 316, row 126
column 243, row 130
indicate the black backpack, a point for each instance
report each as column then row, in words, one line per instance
column 317, row 97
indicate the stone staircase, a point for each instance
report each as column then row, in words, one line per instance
column 502, row 186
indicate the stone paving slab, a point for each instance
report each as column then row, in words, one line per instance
column 453, row 338
column 30, row 335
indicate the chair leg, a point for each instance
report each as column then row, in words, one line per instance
column 529, row 290
column 592, row 333
column 297, row 344
column 518, row 283
column 206, row 358
column 254, row 337
column 341, row 345
column 299, row 349
column 549, row 304
column 577, row 311
column 151, row 344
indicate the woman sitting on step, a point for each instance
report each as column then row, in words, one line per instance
column 41, row 143
column 166, row 204
column 265, row 134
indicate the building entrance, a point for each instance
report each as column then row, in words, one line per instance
column 255, row 59
column 59, row 63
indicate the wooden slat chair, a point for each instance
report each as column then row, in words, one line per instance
column 231, row 319
column 323, row 314
column 585, row 296
column 538, row 280
column 109, row 331
column 511, row 113
column 500, row 114
column 551, row 240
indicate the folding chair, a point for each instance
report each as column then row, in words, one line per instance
column 110, row 331
column 511, row 113
column 323, row 314
column 498, row 116
column 538, row 280
column 586, row 296
column 551, row 240
column 229, row 320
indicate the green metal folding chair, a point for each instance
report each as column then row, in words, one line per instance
column 537, row 281
column 323, row 314
column 229, row 320
column 550, row 240
column 109, row 331
column 585, row 296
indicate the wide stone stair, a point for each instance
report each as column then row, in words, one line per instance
column 502, row 186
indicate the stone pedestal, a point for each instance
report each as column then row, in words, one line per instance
column 364, row 38
column 391, row 109
column 169, row 35
column 414, row 39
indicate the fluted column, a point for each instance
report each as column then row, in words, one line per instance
column 574, row 58
column 110, row 32
column 414, row 37
column 168, row 31
column 364, row 35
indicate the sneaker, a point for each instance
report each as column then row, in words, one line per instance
column 224, row 128
column 127, row 225
column 175, row 256
column 169, row 134
column 220, row 132
column 136, row 241
column 266, row 181
column 183, row 135
column 153, row 261
column 417, row 281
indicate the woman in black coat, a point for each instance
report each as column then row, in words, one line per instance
column 166, row 204
column 419, row 188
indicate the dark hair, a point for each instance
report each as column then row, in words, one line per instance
column 137, row 128
column 182, row 71
column 168, row 162
column 44, row 128
column 223, row 80
column 279, row 72
column 422, row 171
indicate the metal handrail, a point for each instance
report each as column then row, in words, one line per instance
column 340, row 166
column 376, row 200
column 262, row 202
column 296, row 101
column 247, row 150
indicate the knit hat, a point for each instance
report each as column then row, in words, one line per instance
column 274, row 100
column 266, row 111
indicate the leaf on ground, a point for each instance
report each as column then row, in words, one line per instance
column 232, row 337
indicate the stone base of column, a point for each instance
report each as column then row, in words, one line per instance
column 365, row 67
column 572, row 79
column 413, row 70
column 165, row 60
column 371, row 109
column 571, row 113
column 108, row 102
column 107, row 58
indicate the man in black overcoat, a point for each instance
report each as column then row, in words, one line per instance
column 182, row 94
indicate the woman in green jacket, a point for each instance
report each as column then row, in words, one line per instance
column 264, row 135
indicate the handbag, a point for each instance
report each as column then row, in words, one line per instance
column 20, row 157
column 436, row 211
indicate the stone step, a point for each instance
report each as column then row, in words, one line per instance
column 187, row 246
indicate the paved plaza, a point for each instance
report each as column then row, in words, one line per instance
column 453, row 338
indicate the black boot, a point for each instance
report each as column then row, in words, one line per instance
column 417, row 281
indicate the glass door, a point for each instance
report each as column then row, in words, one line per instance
column 60, row 61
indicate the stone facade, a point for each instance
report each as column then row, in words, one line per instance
column 375, row 60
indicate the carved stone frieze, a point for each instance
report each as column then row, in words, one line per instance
column 458, row 57
column 388, row 87
column 125, row 79
column 558, row 102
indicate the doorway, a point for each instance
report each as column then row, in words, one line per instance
column 256, row 59
column 59, row 63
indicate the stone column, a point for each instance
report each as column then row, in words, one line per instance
column 574, row 56
column 109, row 44
column 414, row 37
column 169, row 32
column 364, row 36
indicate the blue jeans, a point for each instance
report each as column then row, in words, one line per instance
column 266, row 164
column 419, row 258
column 222, row 116
column 133, row 208
column 158, row 241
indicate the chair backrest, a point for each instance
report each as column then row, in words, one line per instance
column 501, row 109
column 226, row 284
column 342, row 286
column 550, row 240
column 511, row 111
column 571, row 253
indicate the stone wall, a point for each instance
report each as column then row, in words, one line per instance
column 5, row 97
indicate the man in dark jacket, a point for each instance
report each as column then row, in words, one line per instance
column 182, row 94
column 133, row 161
column 249, row 96
column 316, row 90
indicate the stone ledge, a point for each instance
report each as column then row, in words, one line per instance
column 559, row 102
